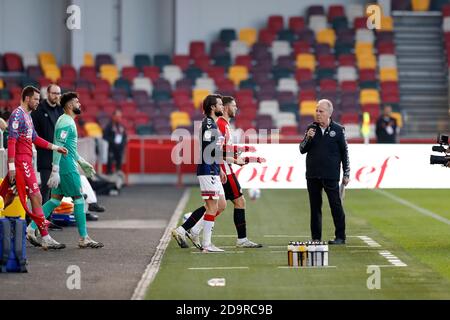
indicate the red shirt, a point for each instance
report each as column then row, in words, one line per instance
column 224, row 128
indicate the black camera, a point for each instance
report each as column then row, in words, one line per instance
column 443, row 141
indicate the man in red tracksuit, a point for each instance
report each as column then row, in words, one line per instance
column 21, row 178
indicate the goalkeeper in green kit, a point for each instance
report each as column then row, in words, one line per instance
column 65, row 178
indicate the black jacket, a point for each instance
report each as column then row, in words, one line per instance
column 326, row 152
column 109, row 134
column 44, row 120
column 383, row 136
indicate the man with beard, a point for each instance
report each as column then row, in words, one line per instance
column 210, row 176
column 65, row 178
column 21, row 176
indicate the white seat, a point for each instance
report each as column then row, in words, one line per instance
column 387, row 61
column 143, row 84
column 283, row 119
column 205, row 83
column 288, row 84
column 317, row 23
column 352, row 130
column 123, row 60
column 238, row 48
column 280, row 48
column 354, row 11
column 29, row 59
column 172, row 74
column 364, row 35
column 270, row 107
column 446, row 24
column 346, row 73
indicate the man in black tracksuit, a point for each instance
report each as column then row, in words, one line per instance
column 44, row 120
column 326, row 148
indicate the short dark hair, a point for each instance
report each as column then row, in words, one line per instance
column 29, row 91
column 66, row 97
column 227, row 100
column 209, row 102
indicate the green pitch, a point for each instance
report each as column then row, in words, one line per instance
column 402, row 222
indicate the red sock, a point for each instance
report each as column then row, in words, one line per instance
column 209, row 217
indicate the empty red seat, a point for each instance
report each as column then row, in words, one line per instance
column 266, row 36
column 301, row 47
column 349, row 117
column 367, row 75
column 386, row 48
column 389, row 86
column 349, row 86
column 275, row 23
column 296, row 24
column 151, row 72
column 446, row 10
column 244, row 60
column 197, row 49
column 68, row 72
column 289, row 130
column 244, row 96
column 130, row 73
column 183, row 61
column 13, row 62
column 202, row 62
column 360, row 23
column 347, row 60
column 303, row 75
column 88, row 73
column 327, row 61
column 66, row 83
column 215, row 72
column 328, row 85
column 335, row 11
column 225, row 85
column 306, row 95
column 373, row 110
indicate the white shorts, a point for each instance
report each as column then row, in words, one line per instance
column 211, row 187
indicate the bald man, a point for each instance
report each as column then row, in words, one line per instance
column 326, row 148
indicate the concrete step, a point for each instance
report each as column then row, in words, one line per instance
column 419, row 28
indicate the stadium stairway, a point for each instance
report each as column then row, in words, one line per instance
column 423, row 75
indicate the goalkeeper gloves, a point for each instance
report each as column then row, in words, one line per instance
column 54, row 179
column 87, row 168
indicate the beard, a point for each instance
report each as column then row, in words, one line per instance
column 218, row 113
column 77, row 111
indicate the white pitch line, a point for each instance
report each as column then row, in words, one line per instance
column 218, row 268
column 307, row 267
column 153, row 267
column 225, row 252
column 388, row 265
column 414, row 207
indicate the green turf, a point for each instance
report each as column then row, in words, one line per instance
column 419, row 241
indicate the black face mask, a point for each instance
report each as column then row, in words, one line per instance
column 77, row 111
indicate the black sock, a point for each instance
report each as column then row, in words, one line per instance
column 239, row 222
column 193, row 219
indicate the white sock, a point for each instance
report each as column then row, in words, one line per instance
column 208, row 227
column 241, row 240
column 46, row 238
column 198, row 227
column 181, row 230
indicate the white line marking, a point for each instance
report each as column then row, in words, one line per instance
column 284, row 236
column 388, row 265
column 224, row 236
column 199, row 252
column 370, row 241
column 153, row 267
column 323, row 267
column 392, row 259
column 414, row 207
column 218, row 268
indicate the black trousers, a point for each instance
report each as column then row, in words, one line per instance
column 115, row 154
column 45, row 190
column 315, row 187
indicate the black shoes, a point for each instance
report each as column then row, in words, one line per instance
column 337, row 241
column 94, row 207
column 91, row 216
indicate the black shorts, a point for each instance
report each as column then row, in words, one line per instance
column 232, row 188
